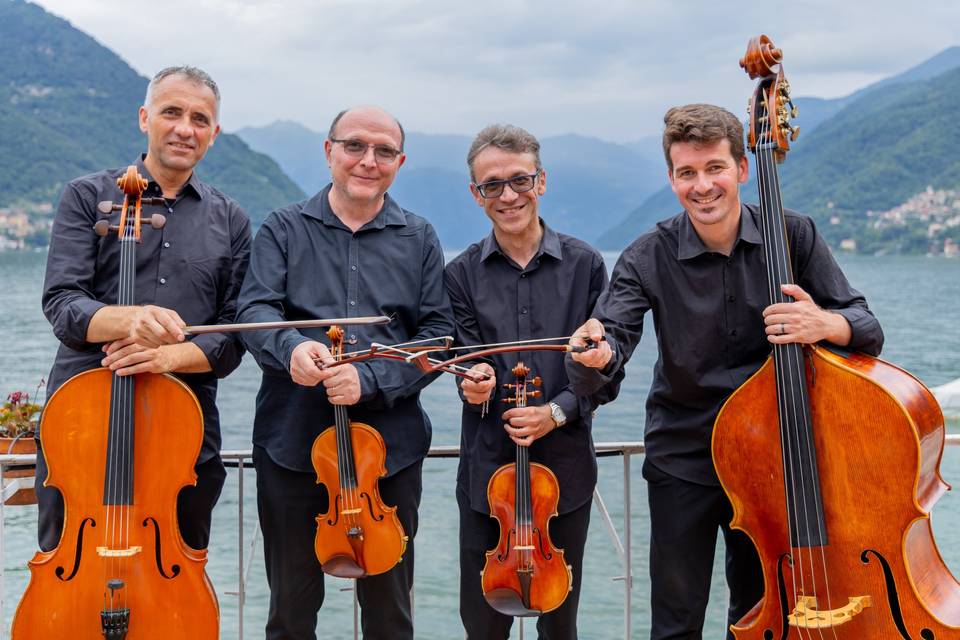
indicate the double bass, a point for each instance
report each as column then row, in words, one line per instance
column 119, row 449
column 524, row 575
column 358, row 535
column 830, row 459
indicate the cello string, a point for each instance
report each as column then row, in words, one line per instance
column 126, row 418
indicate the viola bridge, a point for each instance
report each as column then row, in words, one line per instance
column 106, row 552
column 807, row 616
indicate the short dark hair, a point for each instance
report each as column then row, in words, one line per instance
column 332, row 131
column 701, row 124
column 194, row 74
column 506, row 137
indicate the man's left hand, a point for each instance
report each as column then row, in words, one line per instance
column 127, row 357
column 803, row 321
column 526, row 424
column 342, row 383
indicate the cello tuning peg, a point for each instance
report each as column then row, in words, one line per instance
column 152, row 201
column 156, row 221
column 106, row 207
column 536, row 381
column 508, row 400
column 102, row 228
column 535, row 394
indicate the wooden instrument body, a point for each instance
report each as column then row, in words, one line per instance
column 878, row 435
column 551, row 578
column 167, row 590
column 382, row 542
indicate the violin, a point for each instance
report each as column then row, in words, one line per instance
column 120, row 449
column 524, row 575
column 830, row 459
column 358, row 535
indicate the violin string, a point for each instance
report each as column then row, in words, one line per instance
column 762, row 158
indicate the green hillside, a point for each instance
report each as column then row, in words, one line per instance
column 68, row 106
column 872, row 155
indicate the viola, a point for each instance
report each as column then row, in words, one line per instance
column 524, row 575
column 358, row 535
column 120, row 449
column 830, row 459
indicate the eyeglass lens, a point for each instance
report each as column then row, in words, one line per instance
column 519, row 184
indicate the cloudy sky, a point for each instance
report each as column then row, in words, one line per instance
column 444, row 66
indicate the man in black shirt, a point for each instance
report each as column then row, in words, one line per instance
column 348, row 251
column 523, row 281
column 702, row 275
column 187, row 272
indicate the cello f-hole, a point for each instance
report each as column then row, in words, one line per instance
column 175, row 569
column 76, row 561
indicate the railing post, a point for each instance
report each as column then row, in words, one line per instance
column 628, row 560
column 241, row 578
column 3, row 517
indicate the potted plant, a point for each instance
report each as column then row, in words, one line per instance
column 18, row 426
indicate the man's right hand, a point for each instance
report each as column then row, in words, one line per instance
column 303, row 366
column 594, row 358
column 479, row 392
column 153, row 326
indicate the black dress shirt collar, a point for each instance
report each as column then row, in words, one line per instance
column 193, row 185
column 390, row 214
column 690, row 245
column 549, row 244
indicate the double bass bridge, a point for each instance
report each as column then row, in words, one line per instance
column 129, row 552
column 807, row 616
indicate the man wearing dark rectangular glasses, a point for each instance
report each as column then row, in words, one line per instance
column 348, row 251
column 521, row 282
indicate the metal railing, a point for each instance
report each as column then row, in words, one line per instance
column 241, row 460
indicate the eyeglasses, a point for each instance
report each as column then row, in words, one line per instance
column 358, row 148
column 519, row 184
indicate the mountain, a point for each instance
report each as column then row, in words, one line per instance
column 68, row 106
column 589, row 181
column 871, row 150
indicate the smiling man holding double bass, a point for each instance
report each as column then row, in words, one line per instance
column 702, row 275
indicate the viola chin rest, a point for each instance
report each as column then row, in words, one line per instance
column 343, row 567
column 509, row 603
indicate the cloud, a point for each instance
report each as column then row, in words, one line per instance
column 607, row 70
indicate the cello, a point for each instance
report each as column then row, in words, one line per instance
column 830, row 459
column 524, row 575
column 119, row 449
column 358, row 535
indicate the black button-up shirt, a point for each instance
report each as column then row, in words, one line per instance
column 494, row 300
column 307, row 264
column 708, row 315
column 193, row 265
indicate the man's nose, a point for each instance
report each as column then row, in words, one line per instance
column 703, row 183
column 184, row 128
column 369, row 157
column 508, row 195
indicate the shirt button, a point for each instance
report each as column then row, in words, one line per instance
column 523, row 310
column 166, row 245
column 353, row 267
column 353, row 303
column 523, row 275
column 733, row 332
column 169, row 209
column 732, row 298
column 163, row 281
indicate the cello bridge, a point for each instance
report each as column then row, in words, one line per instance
column 106, row 552
column 524, row 547
column 807, row 616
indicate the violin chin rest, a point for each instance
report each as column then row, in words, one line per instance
column 509, row 603
column 343, row 567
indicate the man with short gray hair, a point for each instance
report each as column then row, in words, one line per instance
column 188, row 272
column 523, row 281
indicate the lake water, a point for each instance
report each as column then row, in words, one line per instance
column 917, row 300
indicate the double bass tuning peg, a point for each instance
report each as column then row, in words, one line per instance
column 106, row 207
column 103, row 227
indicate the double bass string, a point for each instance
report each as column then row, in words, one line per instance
column 792, row 368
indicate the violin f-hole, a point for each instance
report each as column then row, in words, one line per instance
column 373, row 514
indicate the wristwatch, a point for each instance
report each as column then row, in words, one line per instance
column 559, row 417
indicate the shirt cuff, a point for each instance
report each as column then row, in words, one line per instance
column 368, row 381
column 569, row 403
column 862, row 327
column 82, row 310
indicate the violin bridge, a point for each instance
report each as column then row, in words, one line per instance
column 106, row 552
column 349, row 512
column 807, row 616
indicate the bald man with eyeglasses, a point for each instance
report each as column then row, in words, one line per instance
column 348, row 251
